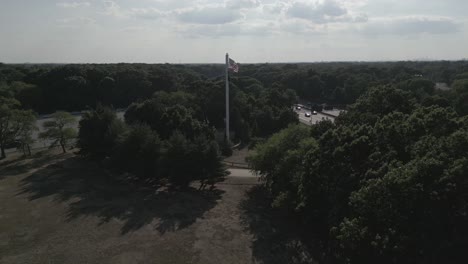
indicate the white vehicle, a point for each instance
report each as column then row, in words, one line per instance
column 314, row 112
column 298, row 108
column 307, row 114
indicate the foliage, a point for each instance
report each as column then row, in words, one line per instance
column 59, row 130
column 16, row 125
column 384, row 184
column 188, row 160
column 26, row 122
column 139, row 152
column 99, row 130
column 278, row 163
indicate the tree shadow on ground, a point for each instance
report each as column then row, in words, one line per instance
column 91, row 191
column 277, row 238
column 24, row 164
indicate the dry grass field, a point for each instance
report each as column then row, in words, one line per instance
column 58, row 208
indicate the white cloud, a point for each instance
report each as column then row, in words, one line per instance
column 111, row 8
column 208, row 15
column 301, row 27
column 319, row 12
column 229, row 30
column 274, row 8
column 73, row 4
column 75, row 21
column 147, row 13
column 241, row 4
column 411, row 25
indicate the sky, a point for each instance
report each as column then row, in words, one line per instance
column 252, row 31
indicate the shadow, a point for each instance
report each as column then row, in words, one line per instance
column 92, row 191
column 24, row 164
column 277, row 237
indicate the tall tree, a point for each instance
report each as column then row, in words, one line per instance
column 13, row 122
column 26, row 122
column 59, row 129
column 99, row 132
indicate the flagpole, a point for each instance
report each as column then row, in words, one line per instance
column 227, row 97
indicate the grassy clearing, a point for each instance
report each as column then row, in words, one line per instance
column 60, row 209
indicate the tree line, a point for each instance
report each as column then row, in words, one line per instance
column 47, row 88
column 386, row 183
column 260, row 93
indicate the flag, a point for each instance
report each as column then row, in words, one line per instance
column 233, row 66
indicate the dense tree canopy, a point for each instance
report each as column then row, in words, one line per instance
column 385, row 184
column 99, row 130
column 47, row 88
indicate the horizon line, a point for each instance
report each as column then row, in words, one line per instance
column 240, row 62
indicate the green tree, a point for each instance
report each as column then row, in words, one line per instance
column 139, row 152
column 211, row 168
column 59, row 129
column 99, row 130
column 15, row 124
column 460, row 90
column 7, row 116
column 277, row 162
column 385, row 186
column 178, row 160
column 27, row 125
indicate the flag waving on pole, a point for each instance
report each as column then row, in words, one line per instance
column 233, row 66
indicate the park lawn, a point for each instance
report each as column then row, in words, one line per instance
column 58, row 208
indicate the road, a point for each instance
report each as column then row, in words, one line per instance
column 241, row 173
column 313, row 119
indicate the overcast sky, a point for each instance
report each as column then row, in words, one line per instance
column 184, row 31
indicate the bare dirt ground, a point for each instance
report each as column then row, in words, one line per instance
column 239, row 156
column 57, row 208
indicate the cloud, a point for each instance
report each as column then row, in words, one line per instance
column 411, row 25
column 274, row 8
column 73, row 4
column 229, row 30
column 242, row 4
column 146, row 13
column 319, row 12
column 73, row 22
column 208, row 15
column 302, row 27
column 111, row 8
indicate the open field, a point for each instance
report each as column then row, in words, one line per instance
column 60, row 209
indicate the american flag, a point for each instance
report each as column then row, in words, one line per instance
column 233, row 66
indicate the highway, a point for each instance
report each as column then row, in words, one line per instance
column 313, row 119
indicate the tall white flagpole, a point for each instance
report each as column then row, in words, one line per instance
column 227, row 97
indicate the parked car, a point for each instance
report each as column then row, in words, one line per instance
column 314, row 112
column 307, row 114
column 298, row 108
